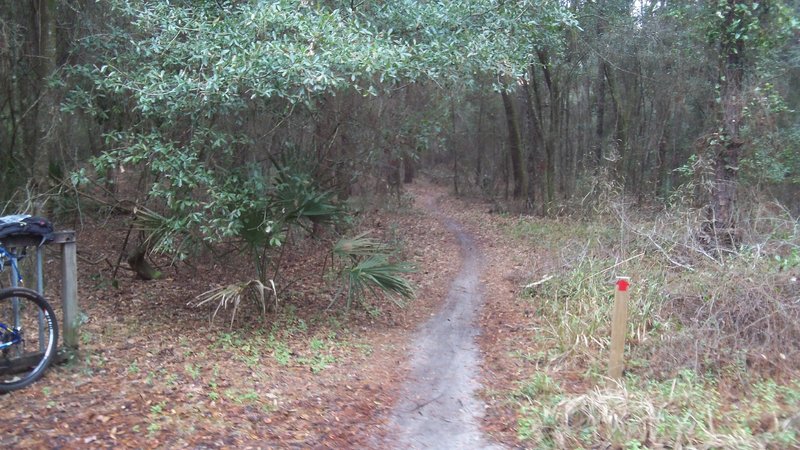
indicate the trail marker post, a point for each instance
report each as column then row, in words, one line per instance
column 619, row 325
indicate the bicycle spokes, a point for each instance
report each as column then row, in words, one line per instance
column 28, row 337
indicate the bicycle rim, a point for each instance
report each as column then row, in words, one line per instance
column 28, row 337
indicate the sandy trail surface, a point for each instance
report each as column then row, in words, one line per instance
column 438, row 408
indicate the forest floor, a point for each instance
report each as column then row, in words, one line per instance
column 154, row 371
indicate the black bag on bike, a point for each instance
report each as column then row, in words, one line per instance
column 25, row 225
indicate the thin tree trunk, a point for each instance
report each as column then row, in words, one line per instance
column 408, row 169
column 601, row 114
column 453, row 145
column 726, row 158
column 480, row 143
column 620, row 124
column 571, row 166
column 43, row 142
column 600, row 85
column 550, row 143
column 514, row 146
column 536, row 163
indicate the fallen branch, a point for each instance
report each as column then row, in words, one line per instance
column 537, row 283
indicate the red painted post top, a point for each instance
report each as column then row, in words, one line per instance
column 622, row 285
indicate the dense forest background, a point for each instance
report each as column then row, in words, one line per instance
column 218, row 113
column 257, row 141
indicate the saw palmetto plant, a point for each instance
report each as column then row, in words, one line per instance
column 232, row 296
column 369, row 269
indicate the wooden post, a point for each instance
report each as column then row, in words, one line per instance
column 69, row 288
column 619, row 326
column 69, row 279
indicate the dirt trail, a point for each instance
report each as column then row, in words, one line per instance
column 438, row 408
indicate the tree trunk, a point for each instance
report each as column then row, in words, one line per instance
column 620, row 124
column 726, row 153
column 600, row 86
column 536, row 163
column 41, row 143
column 553, row 129
column 514, row 147
column 601, row 114
column 138, row 262
column 480, row 144
column 453, row 146
column 408, row 169
column 570, row 151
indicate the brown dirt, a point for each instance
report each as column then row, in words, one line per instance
column 153, row 372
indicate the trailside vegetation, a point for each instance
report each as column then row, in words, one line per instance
column 657, row 137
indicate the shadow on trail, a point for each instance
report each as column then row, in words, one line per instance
column 437, row 407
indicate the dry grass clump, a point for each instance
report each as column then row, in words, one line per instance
column 686, row 411
column 695, row 305
column 232, row 296
column 707, row 326
column 729, row 306
column 623, row 418
column 733, row 316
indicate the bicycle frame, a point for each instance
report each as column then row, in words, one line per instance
column 13, row 335
column 16, row 280
column 26, row 315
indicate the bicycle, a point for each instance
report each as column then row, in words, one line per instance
column 28, row 331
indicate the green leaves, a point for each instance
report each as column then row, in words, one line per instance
column 376, row 274
column 187, row 57
column 297, row 197
column 285, row 49
column 452, row 40
column 763, row 27
column 178, row 80
column 368, row 269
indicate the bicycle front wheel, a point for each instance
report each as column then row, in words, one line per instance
column 28, row 337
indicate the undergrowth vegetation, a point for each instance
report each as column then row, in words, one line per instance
column 713, row 337
column 685, row 411
column 271, row 214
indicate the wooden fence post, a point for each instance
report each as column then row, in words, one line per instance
column 619, row 326
column 69, row 288
column 69, row 280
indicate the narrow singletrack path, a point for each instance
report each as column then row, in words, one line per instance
column 437, row 407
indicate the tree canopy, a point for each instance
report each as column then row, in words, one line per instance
column 185, row 75
column 212, row 103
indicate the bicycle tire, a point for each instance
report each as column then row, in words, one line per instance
column 21, row 365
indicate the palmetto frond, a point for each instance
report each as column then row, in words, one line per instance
column 159, row 231
column 376, row 274
column 360, row 246
column 233, row 294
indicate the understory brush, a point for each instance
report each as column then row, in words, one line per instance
column 713, row 334
column 685, row 411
